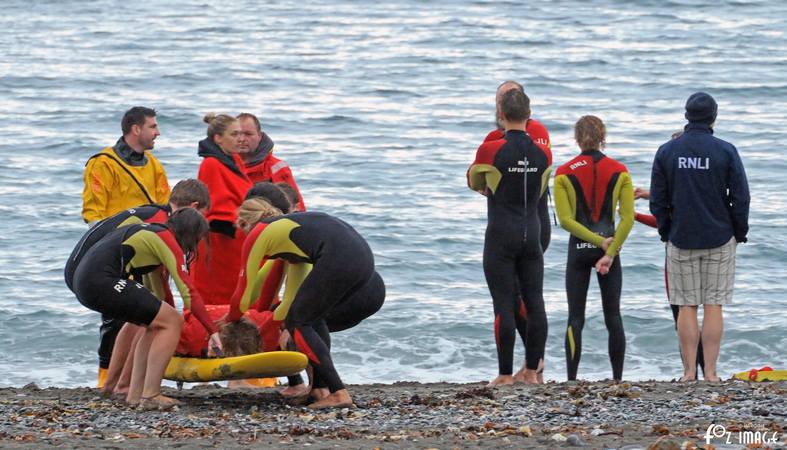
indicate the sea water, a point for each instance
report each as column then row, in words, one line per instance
column 379, row 107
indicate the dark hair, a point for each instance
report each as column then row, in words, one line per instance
column 516, row 85
column 217, row 123
column 515, row 105
column 253, row 119
column 189, row 191
column 590, row 133
column 135, row 116
column 240, row 338
column 272, row 193
column 189, row 227
column 290, row 192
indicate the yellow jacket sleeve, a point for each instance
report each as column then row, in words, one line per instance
column 566, row 206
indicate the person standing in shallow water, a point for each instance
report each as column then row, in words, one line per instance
column 587, row 191
column 699, row 195
column 511, row 173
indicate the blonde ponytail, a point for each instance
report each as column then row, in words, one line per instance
column 253, row 210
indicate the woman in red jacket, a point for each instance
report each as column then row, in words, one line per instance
column 217, row 265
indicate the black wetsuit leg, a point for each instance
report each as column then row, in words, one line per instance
column 334, row 277
column 530, row 272
column 322, row 330
column 501, row 278
column 610, row 286
column 358, row 306
column 546, row 238
column 108, row 332
column 514, row 271
column 581, row 260
column 577, row 282
column 349, row 312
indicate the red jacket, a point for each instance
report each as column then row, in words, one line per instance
column 227, row 183
column 216, row 268
column 274, row 170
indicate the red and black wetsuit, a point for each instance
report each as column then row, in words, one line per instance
column 588, row 191
column 147, row 214
column 342, row 278
column 104, row 279
column 650, row 220
column 512, row 172
column 216, row 267
column 261, row 165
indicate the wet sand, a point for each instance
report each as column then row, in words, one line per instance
column 404, row 415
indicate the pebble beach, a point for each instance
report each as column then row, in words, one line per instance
column 601, row 414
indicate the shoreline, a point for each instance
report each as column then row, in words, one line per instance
column 595, row 414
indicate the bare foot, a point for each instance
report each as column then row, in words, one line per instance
column 530, row 377
column 501, row 380
column 106, row 393
column 321, row 393
column 158, row 402
column 338, row 399
column 688, row 378
column 519, row 377
column 713, row 378
column 299, row 390
column 132, row 402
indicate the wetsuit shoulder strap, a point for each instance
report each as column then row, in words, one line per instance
column 122, row 166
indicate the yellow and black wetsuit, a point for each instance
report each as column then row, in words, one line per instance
column 513, row 173
column 588, row 191
column 142, row 214
column 103, row 279
column 330, row 270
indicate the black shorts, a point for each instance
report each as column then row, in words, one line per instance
column 117, row 298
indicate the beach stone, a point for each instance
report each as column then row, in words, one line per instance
column 574, row 440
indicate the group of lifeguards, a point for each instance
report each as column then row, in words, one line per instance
column 229, row 240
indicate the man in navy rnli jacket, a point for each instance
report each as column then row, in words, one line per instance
column 700, row 198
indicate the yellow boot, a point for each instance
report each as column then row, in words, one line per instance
column 102, row 377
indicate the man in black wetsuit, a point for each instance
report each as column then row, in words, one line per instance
column 510, row 172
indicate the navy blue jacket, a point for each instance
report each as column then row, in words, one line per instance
column 698, row 190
